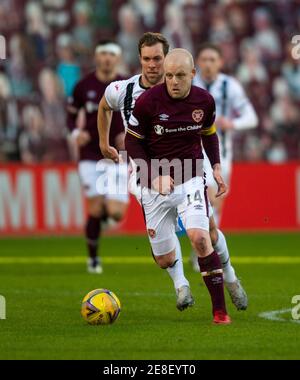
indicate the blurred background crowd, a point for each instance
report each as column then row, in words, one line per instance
column 50, row 47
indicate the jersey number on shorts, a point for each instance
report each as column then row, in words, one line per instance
column 197, row 197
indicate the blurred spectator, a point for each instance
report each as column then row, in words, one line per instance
column 175, row 29
column 251, row 69
column 266, row 38
column 18, row 66
column 283, row 111
column 253, row 148
column 53, row 109
column 261, row 97
column 219, row 26
column 9, row 123
column 194, row 17
column 284, row 13
column 230, row 55
column 255, row 38
column 147, row 9
column 280, row 88
column 291, row 72
column 67, row 69
column 286, row 115
column 297, row 26
column 13, row 8
column 82, row 31
column 33, row 142
column 57, row 13
column 102, row 14
column 277, row 153
column 238, row 22
column 129, row 35
column 37, row 29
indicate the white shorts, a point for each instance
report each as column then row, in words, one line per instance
column 189, row 201
column 133, row 187
column 104, row 178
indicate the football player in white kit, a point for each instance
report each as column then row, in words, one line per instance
column 234, row 113
column 121, row 96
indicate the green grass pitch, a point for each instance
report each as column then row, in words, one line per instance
column 44, row 280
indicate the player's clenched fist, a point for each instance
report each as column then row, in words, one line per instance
column 109, row 152
column 222, row 187
column 163, row 184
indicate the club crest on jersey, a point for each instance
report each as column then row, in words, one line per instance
column 197, row 115
column 151, row 233
column 159, row 129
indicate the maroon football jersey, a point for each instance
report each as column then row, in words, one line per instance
column 87, row 95
column 170, row 128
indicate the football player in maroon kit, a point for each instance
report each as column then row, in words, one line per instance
column 169, row 154
column 101, row 204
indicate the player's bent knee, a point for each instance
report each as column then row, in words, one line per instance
column 116, row 210
column 117, row 216
column 201, row 243
column 95, row 212
column 95, row 207
column 165, row 261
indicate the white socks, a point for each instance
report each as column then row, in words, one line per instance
column 222, row 250
column 176, row 272
column 216, row 217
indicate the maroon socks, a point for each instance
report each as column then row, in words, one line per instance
column 212, row 273
column 92, row 232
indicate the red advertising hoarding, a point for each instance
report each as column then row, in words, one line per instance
column 48, row 200
column 263, row 197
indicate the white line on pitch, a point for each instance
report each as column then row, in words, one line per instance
column 139, row 260
column 274, row 315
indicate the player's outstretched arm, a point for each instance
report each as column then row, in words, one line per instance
column 246, row 116
column 104, row 123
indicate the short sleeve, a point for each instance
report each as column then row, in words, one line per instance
column 208, row 127
column 239, row 99
column 113, row 95
column 139, row 117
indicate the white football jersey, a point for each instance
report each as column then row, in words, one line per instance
column 122, row 95
column 231, row 102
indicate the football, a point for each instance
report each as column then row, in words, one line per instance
column 100, row 307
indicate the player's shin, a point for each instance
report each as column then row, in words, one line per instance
column 211, row 271
column 92, row 232
column 176, row 271
column 222, row 250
